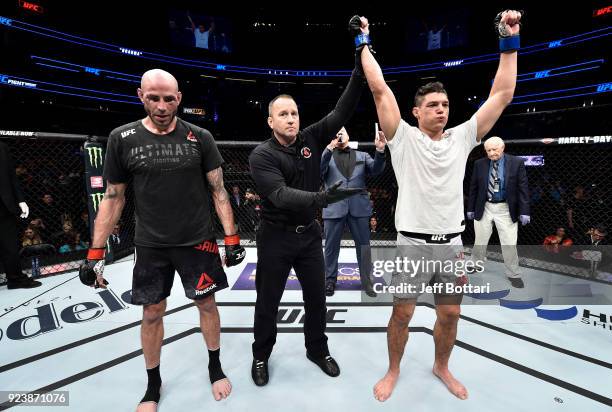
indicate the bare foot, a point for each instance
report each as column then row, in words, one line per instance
column 147, row 407
column 454, row 386
column 384, row 387
column 221, row 389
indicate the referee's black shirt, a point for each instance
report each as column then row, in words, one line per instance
column 278, row 170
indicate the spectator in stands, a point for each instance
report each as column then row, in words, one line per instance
column 373, row 224
column 72, row 242
column 39, row 225
column 49, row 212
column 180, row 36
column 598, row 256
column 30, row 237
column 535, row 195
column 82, row 225
column 554, row 242
column 115, row 237
column 235, row 199
column 557, row 191
column 58, row 238
column 24, row 177
column 576, row 212
column 252, row 209
column 205, row 39
column 597, row 235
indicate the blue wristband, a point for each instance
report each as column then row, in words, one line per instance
column 362, row 39
column 508, row 44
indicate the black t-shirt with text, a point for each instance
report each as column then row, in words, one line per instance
column 169, row 180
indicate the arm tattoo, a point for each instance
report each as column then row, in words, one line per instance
column 221, row 199
column 114, row 191
column 215, row 180
column 111, row 192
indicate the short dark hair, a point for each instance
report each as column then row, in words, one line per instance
column 433, row 87
column 601, row 229
column 280, row 96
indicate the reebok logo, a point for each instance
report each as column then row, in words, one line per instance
column 191, row 137
column 205, row 284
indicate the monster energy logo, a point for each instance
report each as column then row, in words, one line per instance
column 96, row 199
column 94, row 153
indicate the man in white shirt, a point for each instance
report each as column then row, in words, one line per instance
column 200, row 34
column 429, row 164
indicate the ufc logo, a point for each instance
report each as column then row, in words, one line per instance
column 127, row 133
column 435, row 238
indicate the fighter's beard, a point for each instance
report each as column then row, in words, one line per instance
column 160, row 126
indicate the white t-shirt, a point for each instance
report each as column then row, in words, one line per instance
column 430, row 177
column 201, row 39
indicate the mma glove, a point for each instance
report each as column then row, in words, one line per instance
column 507, row 41
column 234, row 252
column 92, row 270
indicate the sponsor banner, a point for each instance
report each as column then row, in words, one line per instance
column 348, row 278
column 93, row 156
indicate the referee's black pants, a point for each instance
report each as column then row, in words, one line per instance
column 278, row 251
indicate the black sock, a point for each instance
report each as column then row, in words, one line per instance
column 153, row 386
column 214, row 366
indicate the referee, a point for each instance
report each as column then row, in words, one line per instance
column 286, row 170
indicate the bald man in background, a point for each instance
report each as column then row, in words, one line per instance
column 174, row 166
column 499, row 194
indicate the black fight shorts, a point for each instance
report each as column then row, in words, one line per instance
column 198, row 266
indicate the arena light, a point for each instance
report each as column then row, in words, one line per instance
column 86, row 69
column 106, row 99
column 65, row 89
column 579, row 38
column 92, row 70
column 31, row 6
column 17, row 82
column 561, row 70
column 561, row 94
column 602, row 11
column 57, row 67
column 453, row 63
column 122, row 79
column 130, row 51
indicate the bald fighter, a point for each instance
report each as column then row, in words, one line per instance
column 174, row 166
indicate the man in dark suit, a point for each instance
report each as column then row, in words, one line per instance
column 499, row 194
column 12, row 204
column 235, row 199
column 339, row 163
